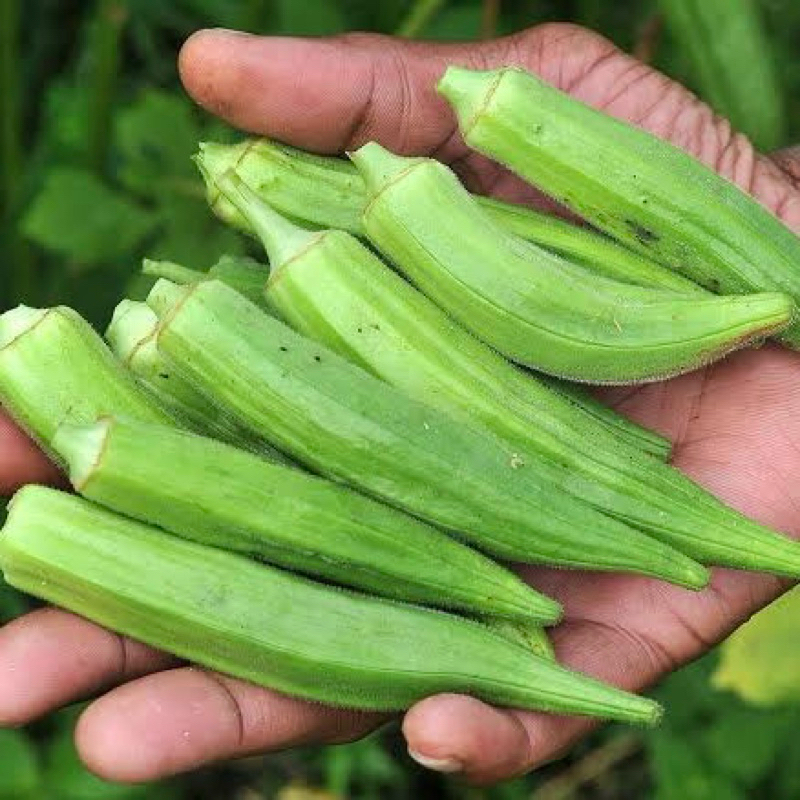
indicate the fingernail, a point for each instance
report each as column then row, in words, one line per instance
column 447, row 765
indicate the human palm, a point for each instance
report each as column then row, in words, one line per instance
column 735, row 428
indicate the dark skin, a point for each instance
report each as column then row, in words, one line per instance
column 735, row 428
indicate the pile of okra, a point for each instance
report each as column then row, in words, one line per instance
column 312, row 471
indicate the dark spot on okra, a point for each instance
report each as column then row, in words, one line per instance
column 163, row 375
column 283, row 349
column 318, row 359
column 643, row 234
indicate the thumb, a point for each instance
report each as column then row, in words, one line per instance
column 333, row 94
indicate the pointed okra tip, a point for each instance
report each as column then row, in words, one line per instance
column 282, row 238
column 380, row 167
column 81, row 448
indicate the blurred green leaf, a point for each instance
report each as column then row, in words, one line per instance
column 681, row 772
column 745, row 743
column 310, row 17
column 19, row 767
column 191, row 235
column 66, row 121
column 84, row 221
column 156, row 137
column 761, row 661
column 458, row 23
column 12, row 603
column 68, row 779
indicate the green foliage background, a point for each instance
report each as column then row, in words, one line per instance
column 95, row 139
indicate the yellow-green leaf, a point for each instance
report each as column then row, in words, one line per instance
column 761, row 661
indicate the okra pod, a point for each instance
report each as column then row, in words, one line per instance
column 268, row 166
column 630, row 432
column 593, row 251
column 244, row 274
column 334, row 290
column 218, row 495
column 533, row 306
column 132, row 337
column 338, row 420
column 275, row 629
column 322, row 192
column 54, row 367
column 643, row 191
column 176, row 273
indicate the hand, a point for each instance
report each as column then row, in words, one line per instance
column 736, row 429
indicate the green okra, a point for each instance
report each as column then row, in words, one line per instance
column 331, row 288
column 310, row 189
column 176, row 273
column 54, row 367
column 324, row 192
column 322, row 189
column 244, row 274
column 132, row 338
column 272, row 628
column 632, row 433
column 732, row 62
column 589, row 249
column 532, row 637
column 338, row 420
column 535, row 307
column 645, row 192
column 217, row 495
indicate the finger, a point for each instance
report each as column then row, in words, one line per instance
column 487, row 745
column 335, row 94
column 50, row 658
column 179, row 720
column 21, row 461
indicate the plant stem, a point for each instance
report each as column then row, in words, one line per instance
column 10, row 119
column 419, row 17
column 590, row 768
column 111, row 16
column 16, row 250
column 649, row 38
column 490, row 19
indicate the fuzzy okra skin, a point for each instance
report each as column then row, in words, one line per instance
column 132, row 338
column 54, row 367
column 631, row 433
column 338, row 420
column 323, row 192
column 595, row 252
column 217, row 495
column 641, row 190
column 319, row 190
column 272, row 628
column 336, row 291
column 535, row 307
column 244, row 274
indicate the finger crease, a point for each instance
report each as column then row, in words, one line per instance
column 236, row 709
